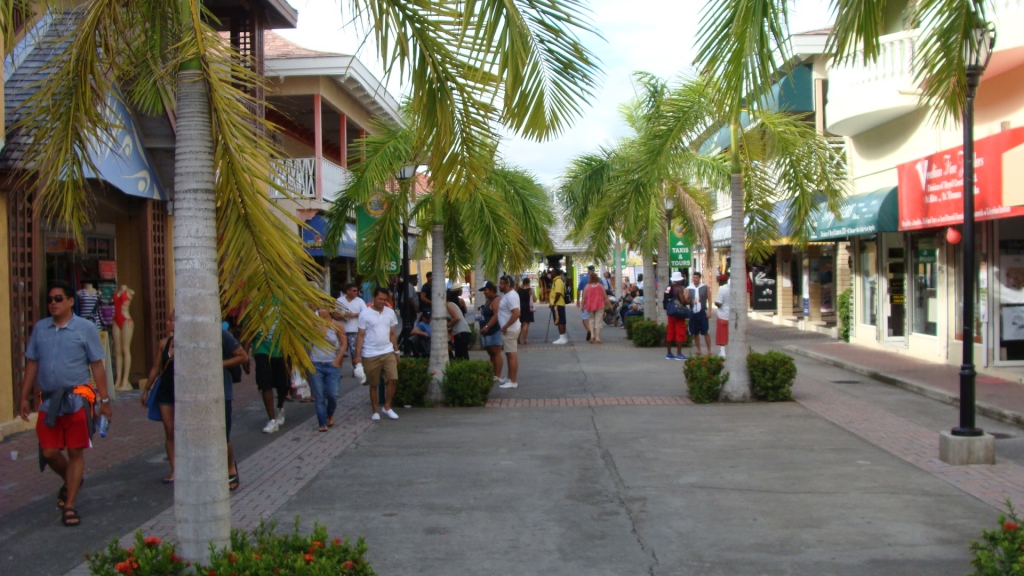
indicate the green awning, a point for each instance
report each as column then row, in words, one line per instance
column 868, row 213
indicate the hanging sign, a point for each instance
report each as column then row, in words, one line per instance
column 366, row 216
column 679, row 248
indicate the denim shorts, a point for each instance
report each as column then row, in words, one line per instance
column 492, row 340
column 585, row 315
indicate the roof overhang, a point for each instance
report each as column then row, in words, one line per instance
column 280, row 14
column 348, row 72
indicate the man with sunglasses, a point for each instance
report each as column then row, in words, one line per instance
column 63, row 356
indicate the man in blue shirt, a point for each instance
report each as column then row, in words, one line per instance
column 64, row 355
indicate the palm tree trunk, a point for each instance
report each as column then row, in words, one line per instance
column 438, row 323
column 201, row 506
column 618, row 267
column 478, row 279
column 650, row 309
column 737, row 387
column 664, row 271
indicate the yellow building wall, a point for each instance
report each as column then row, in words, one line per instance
column 129, row 272
column 7, row 408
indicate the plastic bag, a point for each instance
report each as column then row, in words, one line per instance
column 300, row 386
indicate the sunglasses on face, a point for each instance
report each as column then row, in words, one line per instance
column 58, row 299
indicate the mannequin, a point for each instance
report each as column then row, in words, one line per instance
column 88, row 304
column 124, row 328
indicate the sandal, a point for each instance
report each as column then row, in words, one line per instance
column 70, row 518
column 233, row 482
column 62, row 494
column 323, row 429
column 168, row 479
column 330, row 421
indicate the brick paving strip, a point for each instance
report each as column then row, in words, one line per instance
column 912, row 443
column 588, row 401
column 278, row 471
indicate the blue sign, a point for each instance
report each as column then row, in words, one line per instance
column 123, row 161
column 314, row 239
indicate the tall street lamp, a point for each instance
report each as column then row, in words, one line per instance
column 404, row 175
column 977, row 52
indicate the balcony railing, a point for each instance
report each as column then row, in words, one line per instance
column 298, row 176
column 895, row 64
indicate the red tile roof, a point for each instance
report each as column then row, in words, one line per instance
column 276, row 46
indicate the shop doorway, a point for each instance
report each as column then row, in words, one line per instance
column 1010, row 297
column 894, row 304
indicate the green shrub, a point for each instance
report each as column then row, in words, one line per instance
column 262, row 553
column 704, row 378
column 1001, row 551
column 845, row 310
column 413, row 379
column 467, row 383
column 648, row 334
column 630, row 323
column 771, row 375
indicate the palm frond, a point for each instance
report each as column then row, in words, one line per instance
column 856, row 29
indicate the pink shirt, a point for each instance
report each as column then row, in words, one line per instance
column 593, row 297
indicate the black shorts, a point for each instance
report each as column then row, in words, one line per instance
column 271, row 374
column 560, row 315
column 699, row 323
column 526, row 316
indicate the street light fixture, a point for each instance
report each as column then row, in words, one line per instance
column 977, row 52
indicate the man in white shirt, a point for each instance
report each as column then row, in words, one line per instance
column 722, row 323
column 508, row 319
column 377, row 350
column 349, row 307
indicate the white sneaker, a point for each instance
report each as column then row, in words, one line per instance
column 561, row 340
column 375, row 417
column 280, row 416
column 271, row 427
column 509, row 384
column 390, row 413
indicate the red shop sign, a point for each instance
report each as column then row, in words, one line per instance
column 931, row 189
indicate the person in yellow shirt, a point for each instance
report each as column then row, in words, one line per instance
column 556, row 298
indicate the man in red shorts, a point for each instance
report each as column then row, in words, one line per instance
column 64, row 355
column 676, row 330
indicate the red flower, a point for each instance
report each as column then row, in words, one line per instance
column 337, row 541
column 1010, row 526
column 211, row 573
column 318, row 544
column 348, row 565
column 232, row 558
column 152, row 541
column 255, row 556
column 130, row 551
column 175, row 558
column 123, row 568
column 309, row 558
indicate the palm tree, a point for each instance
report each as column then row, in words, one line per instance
column 501, row 222
column 646, row 181
column 740, row 45
column 228, row 244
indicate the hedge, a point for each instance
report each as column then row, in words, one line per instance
column 771, row 375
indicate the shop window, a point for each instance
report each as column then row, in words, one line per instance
column 826, row 275
column 869, row 283
column 925, row 287
column 1011, row 290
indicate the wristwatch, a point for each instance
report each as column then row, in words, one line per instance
column 104, row 400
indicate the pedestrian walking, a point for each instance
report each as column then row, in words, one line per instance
column 697, row 297
column 526, row 316
column 490, row 329
column 461, row 334
column 232, row 356
column 508, row 317
column 595, row 298
column 377, row 350
column 426, row 296
column 161, row 375
column 325, row 379
column 556, row 300
column 722, row 320
column 676, row 329
column 64, row 357
column 349, row 307
column 271, row 376
column 580, row 288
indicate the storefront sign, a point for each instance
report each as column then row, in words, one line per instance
column 931, row 189
column 764, row 275
column 679, row 248
column 60, row 244
column 926, row 256
column 366, row 216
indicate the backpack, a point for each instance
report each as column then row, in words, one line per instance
column 568, row 291
column 675, row 308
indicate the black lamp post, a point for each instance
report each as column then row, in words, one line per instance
column 404, row 175
column 977, row 52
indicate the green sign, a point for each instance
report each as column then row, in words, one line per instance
column 366, row 215
column 926, row 256
column 679, row 248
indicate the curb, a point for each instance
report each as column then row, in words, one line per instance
column 984, row 408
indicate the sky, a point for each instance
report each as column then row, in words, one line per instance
column 655, row 36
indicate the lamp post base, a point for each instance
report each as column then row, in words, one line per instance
column 964, row 450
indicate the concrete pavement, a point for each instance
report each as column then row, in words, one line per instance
column 805, row 487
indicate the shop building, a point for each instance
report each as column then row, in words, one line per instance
column 324, row 103
column 907, row 275
column 129, row 242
